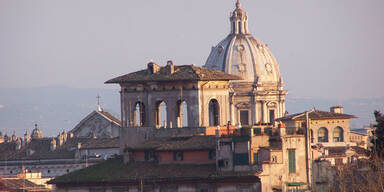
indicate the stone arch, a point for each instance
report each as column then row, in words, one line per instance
column 161, row 114
column 322, row 134
column 338, row 134
column 139, row 114
column 214, row 112
column 181, row 113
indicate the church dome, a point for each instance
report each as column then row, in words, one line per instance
column 242, row 54
column 36, row 133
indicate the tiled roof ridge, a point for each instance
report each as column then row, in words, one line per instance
column 319, row 113
column 110, row 117
column 181, row 72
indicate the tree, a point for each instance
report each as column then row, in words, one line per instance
column 378, row 136
column 365, row 175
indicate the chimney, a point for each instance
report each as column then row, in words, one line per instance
column 153, row 68
column 170, row 67
column 337, row 109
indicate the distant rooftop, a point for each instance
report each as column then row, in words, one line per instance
column 39, row 149
column 316, row 115
column 180, row 73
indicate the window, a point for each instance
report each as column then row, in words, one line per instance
column 268, row 131
column 292, row 161
column 255, row 158
column 322, row 135
column 271, row 115
column 274, row 159
column 139, row 114
column 244, row 117
column 150, row 156
column 257, row 131
column 239, row 23
column 161, row 114
column 241, row 159
column 212, row 155
column 338, row 134
column 178, row 156
column 213, row 113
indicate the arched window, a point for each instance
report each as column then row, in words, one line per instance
column 161, row 114
column 239, row 25
column 181, row 114
column 322, row 135
column 338, row 134
column 139, row 114
column 213, row 113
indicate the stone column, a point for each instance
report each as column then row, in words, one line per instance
column 253, row 110
column 264, row 111
column 171, row 112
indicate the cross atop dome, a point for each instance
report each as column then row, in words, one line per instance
column 238, row 4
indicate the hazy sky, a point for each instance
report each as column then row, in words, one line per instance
column 326, row 48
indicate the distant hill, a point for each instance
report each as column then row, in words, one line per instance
column 60, row 108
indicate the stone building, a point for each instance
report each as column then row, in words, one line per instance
column 328, row 128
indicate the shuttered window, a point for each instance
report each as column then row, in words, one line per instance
column 292, row 161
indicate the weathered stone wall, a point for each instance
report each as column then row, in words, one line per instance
column 133, row 135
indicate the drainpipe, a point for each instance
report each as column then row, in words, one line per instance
column 308, row 151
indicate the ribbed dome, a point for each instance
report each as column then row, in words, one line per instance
column 242, row 54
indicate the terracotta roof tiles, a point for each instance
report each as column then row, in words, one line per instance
column 115, row 171
column 316, row 115
column 181, row 73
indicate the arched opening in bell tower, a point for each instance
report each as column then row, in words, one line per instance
column 213, row 112
column 139, row 114
column 161, row 114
